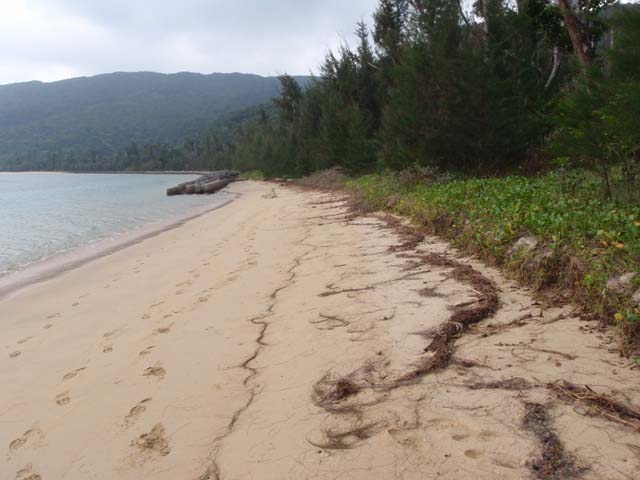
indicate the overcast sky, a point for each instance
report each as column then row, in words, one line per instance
column 55, row 39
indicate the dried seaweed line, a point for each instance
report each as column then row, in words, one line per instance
column 515, row 383
column 463, row 315
column 553, row 463
column 600, row 404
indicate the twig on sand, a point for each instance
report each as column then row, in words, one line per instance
column 601, row 405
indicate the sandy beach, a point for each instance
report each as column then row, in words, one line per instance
column 278, row 338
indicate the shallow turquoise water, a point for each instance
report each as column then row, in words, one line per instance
column 44, row 214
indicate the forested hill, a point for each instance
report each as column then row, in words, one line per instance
column 105, row 114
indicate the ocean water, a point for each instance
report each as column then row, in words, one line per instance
column 44, row 214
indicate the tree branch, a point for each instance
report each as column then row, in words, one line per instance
column 556, row 64
column 417, row 4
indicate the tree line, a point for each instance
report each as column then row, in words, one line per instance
column 500, row 87
column 212, row 149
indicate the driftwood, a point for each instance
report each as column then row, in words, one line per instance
column 208, row 183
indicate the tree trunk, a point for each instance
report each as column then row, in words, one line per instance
column 485, row 14
column 579, row 39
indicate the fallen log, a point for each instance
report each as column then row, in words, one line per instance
column 216, row 185
column 206, row 184
column 177, row 190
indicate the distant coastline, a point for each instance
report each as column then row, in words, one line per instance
column 115, row 172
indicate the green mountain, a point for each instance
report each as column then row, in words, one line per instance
column 105, row 114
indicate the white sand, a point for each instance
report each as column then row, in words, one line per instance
column 194, row 355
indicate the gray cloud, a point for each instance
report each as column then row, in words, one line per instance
column 54, row 39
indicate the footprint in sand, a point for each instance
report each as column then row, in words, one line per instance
column 107, row 349
column 136, row 411
column 156, row 371
column 70, row 375
column 32, row 435
column 163, row 330
column 474, row 454
column 48, row 326
column 147, row 351
column 153, row 442
column 112, row 333
column 24, row 340
column 53, row 315
column 27, row 473
column 18, row 442
column 402, row 438
column 63, row 398
column 15, row 354
column 75, row 304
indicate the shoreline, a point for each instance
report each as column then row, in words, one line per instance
column 283, row 338
column 15, row 282
column 116, row 172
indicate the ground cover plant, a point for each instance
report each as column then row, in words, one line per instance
column 554, row 234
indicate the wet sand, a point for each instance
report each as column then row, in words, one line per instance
column 265, row 339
